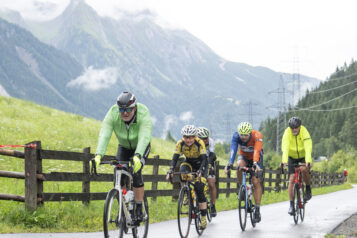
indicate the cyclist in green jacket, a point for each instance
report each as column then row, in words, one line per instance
column 296, row 146
column 131, row 123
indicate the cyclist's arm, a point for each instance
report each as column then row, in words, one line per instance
column 145, row 131
column 211, row 157
column 203, row 156
column 234, row 148
column 307, row 145
column 285, row 142
column 203, row 159
column 258, row 146
column 105, row 133
column 174, row 161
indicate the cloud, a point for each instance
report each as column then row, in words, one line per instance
column 186, row 116
column 3, row 92
column 36, row 9
column 95, row 79
column 153, row 120
column 169, row 120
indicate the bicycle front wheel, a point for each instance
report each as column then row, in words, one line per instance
column 113, row 225
column 302, row 203
column 142, row 230
column 184, row 212
column 197, row 215
column 242, row 207
column 296, row 196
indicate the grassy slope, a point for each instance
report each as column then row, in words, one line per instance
column 22, row 122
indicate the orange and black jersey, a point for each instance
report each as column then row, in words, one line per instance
column 195, row 154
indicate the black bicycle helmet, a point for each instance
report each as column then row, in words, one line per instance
column 126, row 99
column 294, row 122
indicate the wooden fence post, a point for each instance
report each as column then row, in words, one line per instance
column 33, row 165
column 155, row 171
column 262, row 183
column 270, row 179
column 217, row 177
column 177, row 185
column 229, row 183
column 86, row 177
column 278, row 180
column 284, row 180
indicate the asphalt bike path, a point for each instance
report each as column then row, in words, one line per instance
column 323, row 214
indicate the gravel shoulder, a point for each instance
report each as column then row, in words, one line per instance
column 348, row 228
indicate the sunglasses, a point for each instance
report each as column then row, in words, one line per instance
column 127, row 109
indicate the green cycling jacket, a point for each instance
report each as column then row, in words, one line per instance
column 296, row 147
column 137, row 137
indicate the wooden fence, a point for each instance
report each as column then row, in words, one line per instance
column 272, row 180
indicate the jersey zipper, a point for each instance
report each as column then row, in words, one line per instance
column 127, row 137
column 297, row 148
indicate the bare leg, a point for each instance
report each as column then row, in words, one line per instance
column 139, row 194
column 291, row 184
column 257, row 190
column 213, row 190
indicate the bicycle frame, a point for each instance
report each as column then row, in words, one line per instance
column 119, row 171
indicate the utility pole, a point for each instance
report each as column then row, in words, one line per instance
column 250, row 114
column 281, row 107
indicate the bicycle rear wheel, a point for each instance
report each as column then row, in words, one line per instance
column 113, row 225
column 141, row 231
column 302, row 203
column 296, row 196
column 242, row 205
column 184, row 212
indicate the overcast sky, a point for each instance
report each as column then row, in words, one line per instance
column 311, row 37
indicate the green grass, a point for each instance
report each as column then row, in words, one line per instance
column 22, row 122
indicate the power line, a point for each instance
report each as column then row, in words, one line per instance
column 322, row 91
column 304, row 109
column 322, row 110
column 342, row 77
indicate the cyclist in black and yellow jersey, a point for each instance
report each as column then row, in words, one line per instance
column 194, row 151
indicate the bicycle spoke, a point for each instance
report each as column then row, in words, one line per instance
column 112, row 218
column 184, row 212
column 242, row 207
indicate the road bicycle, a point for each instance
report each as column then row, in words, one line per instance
column 208, row 198
column 188, row 207
column 245, row 204
column 299, row 194
column 119, row 218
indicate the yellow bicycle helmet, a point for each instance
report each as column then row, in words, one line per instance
column 245, row 128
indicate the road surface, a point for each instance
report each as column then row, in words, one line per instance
column 323, row 214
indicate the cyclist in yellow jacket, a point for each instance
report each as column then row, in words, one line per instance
column 296, row 146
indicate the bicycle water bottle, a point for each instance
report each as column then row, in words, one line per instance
column 249, row 189
column 129, row 198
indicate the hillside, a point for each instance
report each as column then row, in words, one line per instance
column 329, row 112
column 22, row 122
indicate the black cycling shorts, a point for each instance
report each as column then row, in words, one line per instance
column 292, row 162
column 125, row 154
column 249, row 163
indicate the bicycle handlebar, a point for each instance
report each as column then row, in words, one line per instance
column 179, row 173
column 116, row 163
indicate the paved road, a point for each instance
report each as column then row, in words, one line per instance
column 323, row 213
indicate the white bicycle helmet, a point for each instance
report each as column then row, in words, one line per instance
column 189, row 130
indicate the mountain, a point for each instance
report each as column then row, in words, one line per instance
column 329, row 112
column 175, row 74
